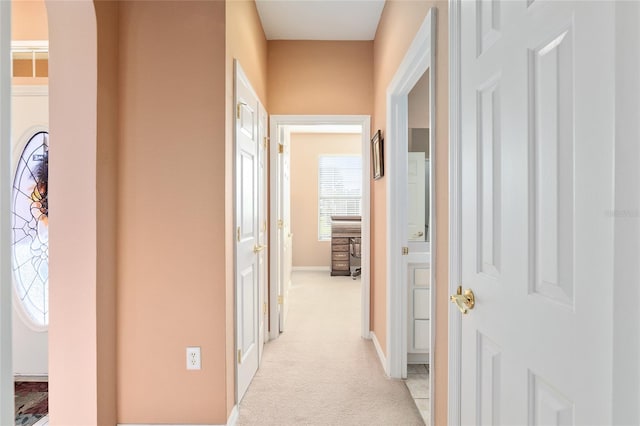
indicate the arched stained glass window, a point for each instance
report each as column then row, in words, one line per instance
column 30, row 227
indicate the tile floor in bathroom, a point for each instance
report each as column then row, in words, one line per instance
column 418, row 384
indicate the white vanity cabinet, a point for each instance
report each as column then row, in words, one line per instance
column 419, row 313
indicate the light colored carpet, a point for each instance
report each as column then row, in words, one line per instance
column 320, row 371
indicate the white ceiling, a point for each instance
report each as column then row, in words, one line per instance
column 320, row 19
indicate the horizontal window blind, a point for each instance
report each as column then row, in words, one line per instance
column 340, row 190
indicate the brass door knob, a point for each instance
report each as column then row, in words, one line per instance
column 258, row 248
column 465, row 301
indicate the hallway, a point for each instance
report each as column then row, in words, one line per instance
column 320, row 371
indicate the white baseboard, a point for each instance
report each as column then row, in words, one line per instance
column 311, row 268
column 231, row 421
column 383, row 358
column 417, row 358
column 233, row 417
column 43, row 421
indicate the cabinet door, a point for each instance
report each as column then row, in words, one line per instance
column 419, row 309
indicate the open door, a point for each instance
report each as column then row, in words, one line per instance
column 286, row 255
column 281, row 227
column 536, row 176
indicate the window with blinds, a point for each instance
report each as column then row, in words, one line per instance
column 339, row 190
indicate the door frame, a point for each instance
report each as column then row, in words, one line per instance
column 6, row 298
column 455, row 213
column 419, row 57
column 365, row 122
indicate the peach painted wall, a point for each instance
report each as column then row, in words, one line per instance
column 107, row 203
column 245, row 42
column 398, row 26
column 306, row 148
column 74, row 325
column 320, row 77
column 28, row 23
column 171, row 218
column 29, row 20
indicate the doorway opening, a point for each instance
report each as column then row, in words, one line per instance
column 282, row 127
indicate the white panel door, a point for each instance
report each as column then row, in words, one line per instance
column 247, row 232
column 416, row 188
column 286, row 253
column 537, row 164
column 262, row 227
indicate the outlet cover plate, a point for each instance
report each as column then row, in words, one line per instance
column 194, row 361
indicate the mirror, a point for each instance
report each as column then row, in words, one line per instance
column 418, row 166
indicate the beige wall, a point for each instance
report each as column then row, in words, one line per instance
column 171, row 254
column 305, row 151
column 159, row 138
column 398, row 26
column 170, row 130
column 28, row 23
column 29, row 20
column 246, row 43
column 320, row 77
column 74, row 327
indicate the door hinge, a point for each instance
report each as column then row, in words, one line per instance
column 405, row 251
column 239, row 109
column 280, row 224
column 280, row 148
column 239, row 356
column 264, row 226
column 280, row 300
column 266, row 143
column 238, row 234
column 264, row 308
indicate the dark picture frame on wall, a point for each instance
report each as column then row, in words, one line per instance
column 377, row 155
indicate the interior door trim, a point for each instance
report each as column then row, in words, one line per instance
column 419, row 57
column 455, row 214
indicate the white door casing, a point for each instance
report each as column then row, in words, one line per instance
column 7, row 407
column 419, row 58
column 278, row 123
column 248, row 253
column 533, row 176
column 263, row 228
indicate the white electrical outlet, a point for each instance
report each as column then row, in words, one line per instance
column 193, row 358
